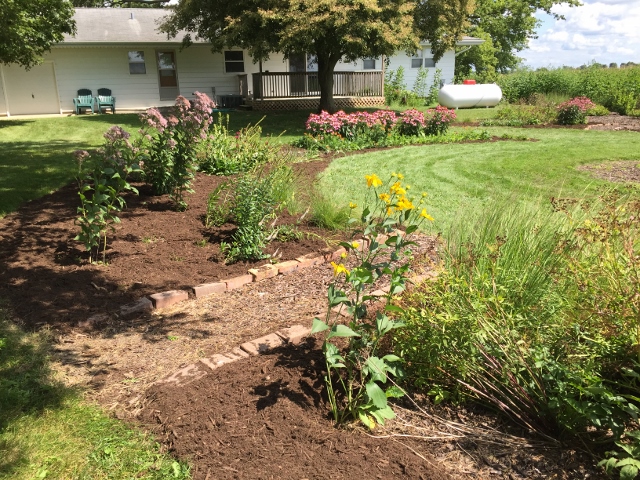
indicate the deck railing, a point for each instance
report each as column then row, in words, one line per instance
column 305, row 84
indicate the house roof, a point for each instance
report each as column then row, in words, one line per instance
column 139, row 25
column 120, row 25
column 463, row 42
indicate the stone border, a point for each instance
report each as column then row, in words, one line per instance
column 290, row 335
column 263, row 272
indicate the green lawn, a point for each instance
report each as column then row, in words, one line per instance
column 461, row 178
column 48, row 431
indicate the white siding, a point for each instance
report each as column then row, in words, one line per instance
column 446, row 64
column 3, row 105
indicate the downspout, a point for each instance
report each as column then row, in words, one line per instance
column 4, row 91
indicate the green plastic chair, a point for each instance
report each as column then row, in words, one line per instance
column 83, row 100
column 105, row 100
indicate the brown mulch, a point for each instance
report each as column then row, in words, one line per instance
column 627, row 171
column 47, row 279
column 266, row 418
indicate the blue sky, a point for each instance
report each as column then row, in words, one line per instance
column 602, row 30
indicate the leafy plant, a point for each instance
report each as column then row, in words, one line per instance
column 356, row 379
column 420, row 85
column 225, row 154
column 434, row 89
column 254, row 202
column 574, row 111
column 102, row 181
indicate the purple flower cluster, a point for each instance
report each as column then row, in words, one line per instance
column 437, row 120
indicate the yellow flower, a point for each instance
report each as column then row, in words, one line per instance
column 343, row 255
column 400, row 176
column 394, row 174
column 385, row 197
column 424, row 214
column 339, row 268
column 373, row 180
column 389, row 211
column 353, row 205
column 404, row 204
column 397, row 189
column 355, row 245
column 424, row 194
column 408, row 187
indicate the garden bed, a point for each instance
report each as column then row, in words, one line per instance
column 48, row 280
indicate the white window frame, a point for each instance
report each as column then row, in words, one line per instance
column 416, row 59
column 140, row 54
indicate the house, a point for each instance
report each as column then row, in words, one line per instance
column 121, row 49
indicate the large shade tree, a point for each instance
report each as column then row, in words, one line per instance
column 507, row 26
column 28, row 28
column 329, row 29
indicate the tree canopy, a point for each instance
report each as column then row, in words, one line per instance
column 329, row 29
column 28, row 28
column 509, row 24
column 119, row 3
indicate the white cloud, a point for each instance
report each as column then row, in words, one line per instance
column 602, row 30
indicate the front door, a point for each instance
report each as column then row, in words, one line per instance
column 167, row 74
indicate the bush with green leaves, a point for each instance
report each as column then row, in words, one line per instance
column 225, row 154
column 102, row 181
column 357, row 379
column 520, row 115
column 536, row 313
column 251, row 201
column 172, row 145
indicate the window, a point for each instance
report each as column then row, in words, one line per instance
column 429, row 63
column 416, row 59
column 369, row 64
column 136, row 63
column 233, row 62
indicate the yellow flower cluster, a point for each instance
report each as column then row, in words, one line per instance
column 396, row 200
column 339, row 268
column 373, row 180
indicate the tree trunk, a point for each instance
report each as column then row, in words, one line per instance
column 326, row 66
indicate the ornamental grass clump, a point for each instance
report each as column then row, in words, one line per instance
column 171, row 145
column 574, row 111
column 358, row 377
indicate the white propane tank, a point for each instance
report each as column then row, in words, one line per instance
column 467, row 96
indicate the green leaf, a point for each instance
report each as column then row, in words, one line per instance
column 318, row 326
column 628, row 472
column 366, row 420
column 383, row 414
column 376, row 394
column 394, row 308
column 377, row 369
column 342, row 331
column 394, row 392
column 411, row 229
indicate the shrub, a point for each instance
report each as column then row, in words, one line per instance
column 437, row 120
column 250, row 201
column 172, row 145
column 536, row 313
column 521, row 115
column 574, row 111
column 224, row 154
column 411, row 123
